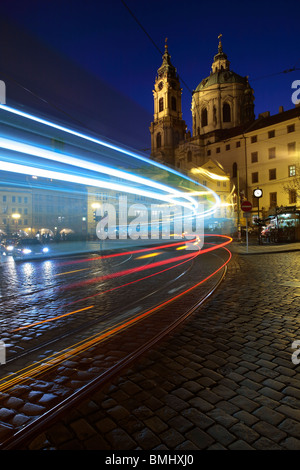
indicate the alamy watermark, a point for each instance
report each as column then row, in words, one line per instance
column 2, row 92
column 295, row 358
column 2, row 353
column 155, row 222
column 296, row 94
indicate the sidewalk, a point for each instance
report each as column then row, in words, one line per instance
column 255, row 248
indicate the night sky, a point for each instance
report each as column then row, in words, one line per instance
column 90, row 63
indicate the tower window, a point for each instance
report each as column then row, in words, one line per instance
column 204, row 117
column 161, row 104
column 158, row 140
column 173, row 103
column 226, row 112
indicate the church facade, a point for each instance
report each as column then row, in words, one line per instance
column 252, row 152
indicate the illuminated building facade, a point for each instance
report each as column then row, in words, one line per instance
column 254, row 153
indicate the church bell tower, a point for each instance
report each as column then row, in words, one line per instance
column 168, row 127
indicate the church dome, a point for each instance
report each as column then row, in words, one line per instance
column 221, row 76
column 222, row 100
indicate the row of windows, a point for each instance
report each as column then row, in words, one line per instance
column 271, row 134
column 17, row 199
column 226, row 114
column 19, row 222
column 273, row 175
column 15, row 211
column 291, row 150
column 273, row 198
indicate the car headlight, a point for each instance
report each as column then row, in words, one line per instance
column 45, row 249
column 10, row 248
column 26, row 251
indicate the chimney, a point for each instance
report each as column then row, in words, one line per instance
column 281, row 109
column 264, row 115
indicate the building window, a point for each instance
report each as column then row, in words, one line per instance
column 234, row 170
column 26, row 200
column 272, row 152
column 253, row 139
column 173, row 103
column 204, row 117
column 255, row 177
column 4, row 198
column 238, row 144
column 292, row 170
column 226, row 112
column 291, row 149
column 272, row 174
column 208, row 153
column 254, row 157
column 158, row 140
column 291, row 128
column 13, row 199
column 227, row 147
column 189, row 156
column 161, row 104
column 271, row 134
column 218, row 150
column 273, row 199
column 292, row 196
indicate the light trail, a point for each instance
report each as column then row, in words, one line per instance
column 52, row 319
column 46, row 364
column 168, row 193
column 71, row 272
column 126, row 253
column 127, row 272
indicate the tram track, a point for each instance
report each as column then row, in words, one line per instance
column 87, row 325
column 22, row 436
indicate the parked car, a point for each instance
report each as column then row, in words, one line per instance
column 30, row 248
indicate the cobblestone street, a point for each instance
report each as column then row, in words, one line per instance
column 224, row 380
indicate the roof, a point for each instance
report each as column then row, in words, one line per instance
column 259, row 123
column 221, row 76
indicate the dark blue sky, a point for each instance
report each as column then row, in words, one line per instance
column 102, row 40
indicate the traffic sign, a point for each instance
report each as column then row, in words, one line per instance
column 246, row 206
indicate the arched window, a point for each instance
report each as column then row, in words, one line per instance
column 158, row 140
column 173, row 103
column 226, row 112
column 161, row 104
column 204, row 117
column 234, row 170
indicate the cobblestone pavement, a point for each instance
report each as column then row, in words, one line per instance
column 224, row 380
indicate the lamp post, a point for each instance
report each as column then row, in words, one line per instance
column 258, row 194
